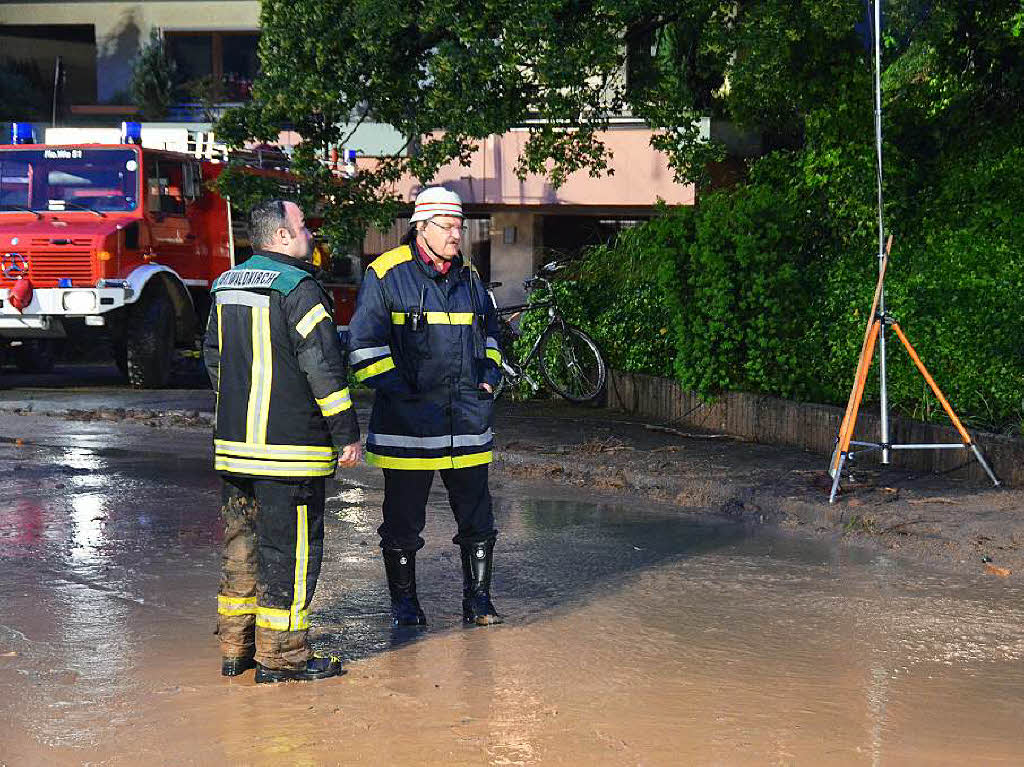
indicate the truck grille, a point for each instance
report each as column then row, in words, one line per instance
column 49, row 262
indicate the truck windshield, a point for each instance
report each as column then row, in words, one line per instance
column 64, row 178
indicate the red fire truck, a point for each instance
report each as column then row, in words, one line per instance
column 118, row 235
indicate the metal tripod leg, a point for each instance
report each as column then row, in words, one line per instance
column 984, row 464
column 835, row 478
column 968, row 442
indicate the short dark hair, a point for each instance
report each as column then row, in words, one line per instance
column 265, row 218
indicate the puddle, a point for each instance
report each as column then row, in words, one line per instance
column 633, row 637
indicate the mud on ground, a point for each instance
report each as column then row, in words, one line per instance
column 945, row 518
column 966, row 525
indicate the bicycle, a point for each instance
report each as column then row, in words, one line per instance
column 570, row 361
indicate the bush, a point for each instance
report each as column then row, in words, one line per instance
column 766, row 287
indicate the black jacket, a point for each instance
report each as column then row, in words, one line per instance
column 274, row 359
column 425, row 341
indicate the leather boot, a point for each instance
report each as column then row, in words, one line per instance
column 400, row 566
column 476, row 584
column 317, row 667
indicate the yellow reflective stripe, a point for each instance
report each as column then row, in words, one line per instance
column 378, row 367
column 268, row 375
column 239, row 611
column 309, row 321
column 220, row 360
column 335, row 403
column 299, row 617
column 387, row 261
column 236, row 605
column 274, row 468
column 262, row 375
column 282, row 452
column 494, row 354
column 437, row 318
column 272, row 618
column 220, row 330
column 471, row 459
column 450, row 318
column 448, row 462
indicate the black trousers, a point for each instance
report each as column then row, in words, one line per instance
column 405, row 506
column 284, row 521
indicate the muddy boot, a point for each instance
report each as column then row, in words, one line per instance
column 476, row 584
column 317, row 667
column 234, row 666
column 400, row 566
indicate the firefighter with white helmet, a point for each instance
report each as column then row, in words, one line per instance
column 423, row 336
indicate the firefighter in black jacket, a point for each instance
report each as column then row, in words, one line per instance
column 423, row 336
column 283, row 416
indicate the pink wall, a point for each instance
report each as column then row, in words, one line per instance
column 641, row 177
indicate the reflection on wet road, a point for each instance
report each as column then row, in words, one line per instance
column 635, row 635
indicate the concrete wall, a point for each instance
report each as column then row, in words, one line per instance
column 511, row 263
column 123, row 27
column 774, row 421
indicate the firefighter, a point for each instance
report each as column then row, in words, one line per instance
column 284, row 415
column 423, row 337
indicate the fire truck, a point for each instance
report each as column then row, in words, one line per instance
column 117, row 235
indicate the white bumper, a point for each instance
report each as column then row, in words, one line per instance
column 50, row 305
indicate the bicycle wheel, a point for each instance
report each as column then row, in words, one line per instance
column 571, row 363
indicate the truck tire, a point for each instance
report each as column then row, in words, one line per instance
column 120, row 352
column 149, row 341
column 35, row 355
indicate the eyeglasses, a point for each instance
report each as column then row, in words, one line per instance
column 456, row 228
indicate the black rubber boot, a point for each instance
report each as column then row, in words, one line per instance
column 236, row 666
column 316, row 668
column 400, row 566
column 476, row 584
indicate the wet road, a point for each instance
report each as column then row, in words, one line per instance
column 635, row 635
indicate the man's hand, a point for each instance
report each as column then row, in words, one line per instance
column 487, row 388
column 350, row 455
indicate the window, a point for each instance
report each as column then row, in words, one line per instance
column 165, row 191
column 60, row 179
column 226, row 59
column 31, row 51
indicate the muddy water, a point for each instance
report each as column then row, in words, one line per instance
column 635, row 636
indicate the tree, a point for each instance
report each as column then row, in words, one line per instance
column 153, row 79
column 447, row 74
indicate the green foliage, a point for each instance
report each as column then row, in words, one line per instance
column 763, row 287
column 614, row 295
column 153, row 79
column 766, row 287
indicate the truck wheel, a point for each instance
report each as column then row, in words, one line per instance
column 149, row 341
column 120, row 351
column 35, row 355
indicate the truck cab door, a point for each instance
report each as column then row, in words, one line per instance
column 172, row 239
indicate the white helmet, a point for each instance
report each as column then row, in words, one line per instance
column 436, row 201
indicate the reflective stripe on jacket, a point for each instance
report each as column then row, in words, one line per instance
column 275, row 361
column 425, row 342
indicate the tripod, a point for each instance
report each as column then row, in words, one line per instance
column 875, row 334
column 878, row 321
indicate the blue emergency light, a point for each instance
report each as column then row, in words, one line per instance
column 131, row 133
column 22, row 133
column 63, row 282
